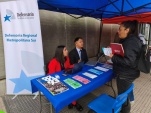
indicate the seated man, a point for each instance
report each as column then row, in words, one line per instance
column 78, row 54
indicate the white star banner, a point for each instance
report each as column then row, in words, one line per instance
column 22, row 44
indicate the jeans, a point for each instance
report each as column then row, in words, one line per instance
column 122, row 86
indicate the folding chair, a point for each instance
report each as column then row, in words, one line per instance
column 107, row 104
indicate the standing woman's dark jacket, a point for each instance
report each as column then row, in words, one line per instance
column 126, row 67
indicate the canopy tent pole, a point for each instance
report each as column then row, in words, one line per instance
column 101, row 28
column 149, row 39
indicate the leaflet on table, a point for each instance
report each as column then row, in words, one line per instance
column 74, row 84
column 81, row 79
column 90, row 75
column 101, row 68
column 107, row 66
column 95, row 71
column 53, row 85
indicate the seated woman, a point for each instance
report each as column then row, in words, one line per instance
column 60, row 62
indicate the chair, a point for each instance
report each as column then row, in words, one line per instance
column 107, row 104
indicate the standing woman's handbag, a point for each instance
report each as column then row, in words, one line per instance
column 144, row 59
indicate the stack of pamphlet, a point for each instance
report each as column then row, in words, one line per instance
column 52, row 84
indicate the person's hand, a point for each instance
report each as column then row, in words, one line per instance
column 111, row 55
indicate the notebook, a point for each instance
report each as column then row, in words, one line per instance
column 117, row 49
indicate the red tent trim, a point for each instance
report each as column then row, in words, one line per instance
column 143, row 18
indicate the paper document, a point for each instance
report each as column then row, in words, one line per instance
column 81, row 79
column 95, row 71
column 115, row 48
column 101, row 68
column 89, row 75
column 107, row 51
column 107, row 66
column 74, row 84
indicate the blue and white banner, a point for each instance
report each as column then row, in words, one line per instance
column 22, row 44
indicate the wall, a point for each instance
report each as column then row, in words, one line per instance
column 59, row 28
column 108, row 34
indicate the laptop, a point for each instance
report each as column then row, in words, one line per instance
column 93, row 63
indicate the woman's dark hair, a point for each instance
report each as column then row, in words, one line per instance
column 132, row 25
column 59, row 54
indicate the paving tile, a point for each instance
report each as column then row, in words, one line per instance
column 24, row 104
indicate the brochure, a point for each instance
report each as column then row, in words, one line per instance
column 95, row 71
column 101, row 68
column 81, row 79
column 53, row 85
column 90, row 75
column 74, row 84
column 115, row 48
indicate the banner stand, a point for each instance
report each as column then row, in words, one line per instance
column 14, row 96
column 23, row 48
column 36, row 94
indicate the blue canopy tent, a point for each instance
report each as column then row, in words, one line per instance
column 98, row 9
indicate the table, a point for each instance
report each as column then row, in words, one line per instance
column 61, row 100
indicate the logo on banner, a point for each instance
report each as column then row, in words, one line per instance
column 20, row 15
column 9, row 15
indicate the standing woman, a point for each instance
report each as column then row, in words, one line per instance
column 60, row 62
column 125, row 67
